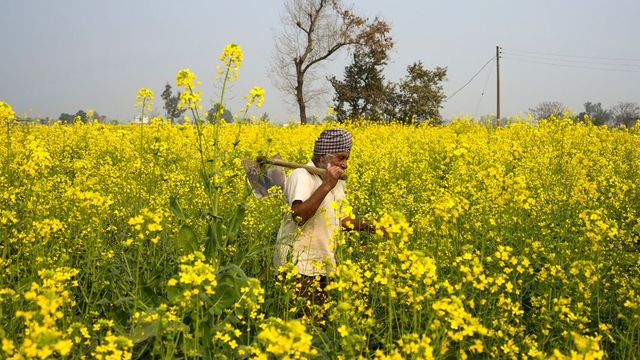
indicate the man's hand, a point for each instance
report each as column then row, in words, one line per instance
column 359, row 225
column 331, row 176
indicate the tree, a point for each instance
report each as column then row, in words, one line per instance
column 215, row 109
column 265, row 117
column 66, row 118
column 597, row 114
column 171, row 104
column 362, row 92
column 626, row 113
column 85, row 117
column 547, row 109
column 314, row 30
column 82, row 115
column 420, row 95
column 416, row 98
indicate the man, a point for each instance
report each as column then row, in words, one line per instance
column 307, row 235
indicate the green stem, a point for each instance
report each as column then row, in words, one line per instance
column 390, row 318
column 144, row 100
column 7, row 169
column 139, row 197
column 137, row 290
column 197, row 330
column 216, row 144
column 196, row 118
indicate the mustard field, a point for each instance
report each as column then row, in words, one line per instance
column 146, row 241
column 128, row 242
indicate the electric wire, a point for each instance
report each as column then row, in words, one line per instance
column 547, row 58
column 570, row 66
column 570, row 56
column 483, row 91
column 470, row 80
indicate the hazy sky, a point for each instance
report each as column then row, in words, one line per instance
column 66, row 55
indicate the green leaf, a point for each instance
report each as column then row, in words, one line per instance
column 226, row 294
column 187, row 239
column 148, row 295
column 226, row 181
column 144, row 331
column 173, row 294
column 128, row 300
column 175, row 208
column 236, row 221
column 233, row 271
column 242, row 256
column 214, row 238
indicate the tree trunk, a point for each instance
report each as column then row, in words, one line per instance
column 300, row 95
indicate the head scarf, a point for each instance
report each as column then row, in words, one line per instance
column 332, row 141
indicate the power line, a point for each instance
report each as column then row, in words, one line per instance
column 483, row 91
column 572, row 56
column 571, row 66
column 571, row 61
column 470, row 80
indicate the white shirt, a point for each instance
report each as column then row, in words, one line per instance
column 310, row 246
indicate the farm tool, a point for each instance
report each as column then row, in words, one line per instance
column 265, row 173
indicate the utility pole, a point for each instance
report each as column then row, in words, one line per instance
column 498, row 84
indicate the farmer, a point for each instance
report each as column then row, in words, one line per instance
column 307, row 235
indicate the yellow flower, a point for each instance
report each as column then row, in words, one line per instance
column 6, row 112
column 136, row 220
column 7, row 346
column 286, row 340
column 343, row 331
column 255, row 96
column 232, row 59
column 144, row 98
column 185, row 78
column 190, row 99
column 63, row 347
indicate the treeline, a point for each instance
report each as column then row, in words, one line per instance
column 364, row 94
column 622, row 114
column 82, row 116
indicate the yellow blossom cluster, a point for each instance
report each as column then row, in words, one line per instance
column 7, row 115
column 456, row 319
column 490, row 242
column 411, row 346
column 231, row 57
column 283, row 340
column 586, row 348
column 255, row 96
column 144, row 99
column 113, row 347
column 44, row 333
column 147, row 225
column 195, row 276
column 189, row 98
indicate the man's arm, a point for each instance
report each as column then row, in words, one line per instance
column 304, row 210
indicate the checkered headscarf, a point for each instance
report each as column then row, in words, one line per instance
column 332, row 141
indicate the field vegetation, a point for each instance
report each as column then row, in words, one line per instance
column 145, row 240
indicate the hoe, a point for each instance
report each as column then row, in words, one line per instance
column 265, row 173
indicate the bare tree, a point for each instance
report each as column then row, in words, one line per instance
column 546, row 109
column 626, row 113
column 597, row 114
column 314, row 30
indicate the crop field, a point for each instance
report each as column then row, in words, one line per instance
column 145, row 241
column 512, row 242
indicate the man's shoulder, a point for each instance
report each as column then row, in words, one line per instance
column 300, row 173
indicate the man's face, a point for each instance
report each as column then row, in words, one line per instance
column 338, row 159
